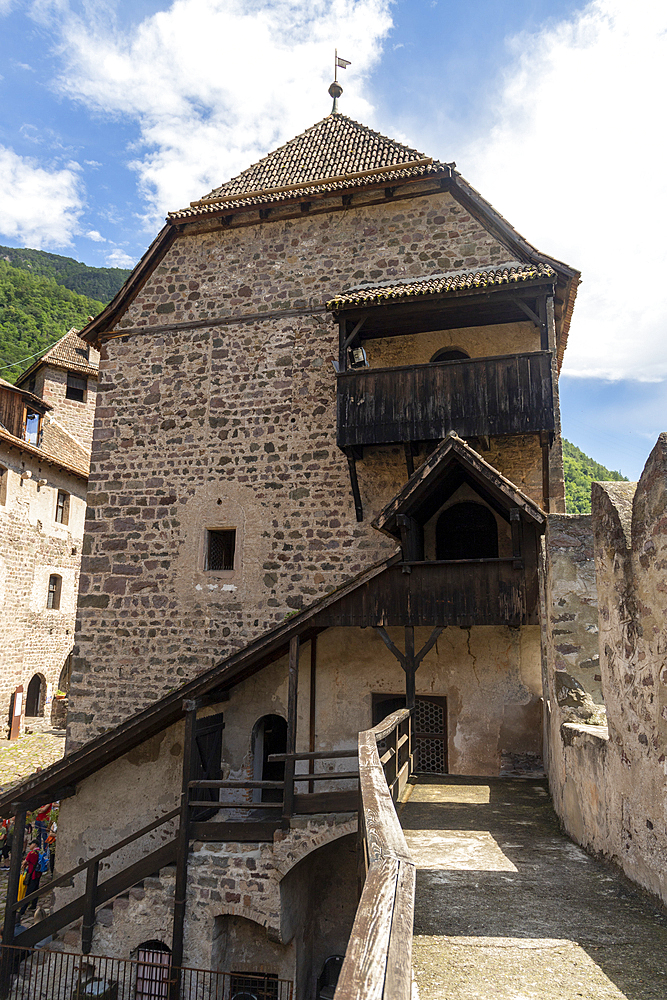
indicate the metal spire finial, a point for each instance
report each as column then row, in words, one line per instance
column 335, row 90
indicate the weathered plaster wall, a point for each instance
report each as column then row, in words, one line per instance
column 489, row 675
column 33, row 546
column 234, row 425
column 608, row 783
column 477, row 341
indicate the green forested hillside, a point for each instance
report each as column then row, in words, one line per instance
column 580, row 472
column 35, row 311
column 99, row 283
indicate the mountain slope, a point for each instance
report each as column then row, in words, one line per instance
column 580, row 472
column 99, row 283
column 35, row 312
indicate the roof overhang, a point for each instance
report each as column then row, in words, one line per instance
column 450, row 464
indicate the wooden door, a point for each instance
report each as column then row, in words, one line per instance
column 207, row 761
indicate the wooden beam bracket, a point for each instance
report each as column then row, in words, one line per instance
column 354, row 483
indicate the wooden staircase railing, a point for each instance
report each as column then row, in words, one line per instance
column 96, row 893
column 378, row 959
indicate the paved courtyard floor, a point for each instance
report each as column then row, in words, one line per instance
column 508, row 908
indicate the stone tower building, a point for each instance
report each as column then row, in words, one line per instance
column 327, row 434
column 46, row 426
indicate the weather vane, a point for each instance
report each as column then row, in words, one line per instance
column 335, row 90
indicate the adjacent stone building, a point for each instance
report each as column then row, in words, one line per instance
column 326, row 443
column 45, row 435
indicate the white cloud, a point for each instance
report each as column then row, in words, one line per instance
column 38, row 206
column 575, row 161
column 118, row 258
column 215, row 84
column 95, row 236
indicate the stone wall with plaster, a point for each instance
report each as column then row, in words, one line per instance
column 34, row 639
column 608, row 782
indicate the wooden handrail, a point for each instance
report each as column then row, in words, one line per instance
column 68, row 876
column 378, row 959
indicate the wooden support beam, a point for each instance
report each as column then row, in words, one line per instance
column 433, row 638
column 354, row 483
column 292, row 696
column 410, row 666
column 409, row 458
column 382, row 632
column 183, row 847
column 515, row 524
column 14, row 875
column 311, row 707
column 90, row 903
column 546, row 476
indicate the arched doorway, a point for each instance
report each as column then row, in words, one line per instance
column 153, row 963
column 34, row 703
column 269, row 736
column 466, row 531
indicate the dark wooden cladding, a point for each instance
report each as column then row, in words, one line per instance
column 480, row 592
column 511, row 394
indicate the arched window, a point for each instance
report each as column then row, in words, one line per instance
column 34, row 703
column 153, row 962
column 466, row 531
column 450, row 354
column 269, row 736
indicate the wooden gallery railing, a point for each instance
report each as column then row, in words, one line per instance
column 378, row 959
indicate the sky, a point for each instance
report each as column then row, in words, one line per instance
column 113, row 113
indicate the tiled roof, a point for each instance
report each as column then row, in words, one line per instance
column 73, row 462
column 74, row 354
column 329, row 156
column 60, row 446
column 441, row 284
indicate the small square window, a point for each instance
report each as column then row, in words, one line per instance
column 220, row 548
column 76, row 388
column 53, row 597
column 62, row 507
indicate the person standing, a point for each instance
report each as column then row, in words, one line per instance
column 42, row 824
column 33, row 874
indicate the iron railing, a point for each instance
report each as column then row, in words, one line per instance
column 40, row 974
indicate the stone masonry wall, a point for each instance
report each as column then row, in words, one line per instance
column 608, row 783
column 234, row 426
column 34, row 639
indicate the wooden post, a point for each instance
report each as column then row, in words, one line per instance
column 311, row 707
column 88, row 923
column 410, row 666
column 293, row 690
column 183, row 846
column 12, row 893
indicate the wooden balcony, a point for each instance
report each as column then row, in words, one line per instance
column 510, row 394
column 462, row 592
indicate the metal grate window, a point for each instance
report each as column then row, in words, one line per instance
column 220, row 549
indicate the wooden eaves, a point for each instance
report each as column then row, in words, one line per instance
column 211, row 687
column 420, row 484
